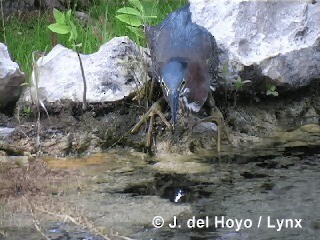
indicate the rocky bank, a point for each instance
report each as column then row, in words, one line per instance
column 270, row 96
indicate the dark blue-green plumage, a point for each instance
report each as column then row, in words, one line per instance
column 185, row 60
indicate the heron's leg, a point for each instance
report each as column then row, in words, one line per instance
column 216, row 117
column 154, row 109
column 151, row 90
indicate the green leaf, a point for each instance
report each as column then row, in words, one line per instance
column 131, row 20
column 74, row 33
column 77, row 45
column 137, row 4
column 272, row 91
column 151, row 16
column 59, row 28
column 129, row 10
column 247, row 81
column 272, row 88
column 137, row 31
column 25, row 84
column 275, row 94
column 58, row 16
column 150, row 7
column 239, row 84
column 68, row 16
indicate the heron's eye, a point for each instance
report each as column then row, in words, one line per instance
column 183, row 82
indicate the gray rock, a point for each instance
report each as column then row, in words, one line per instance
column 6, row 132
column 274, row 40
column 84, row 18
column 62, row 4
column 52, row 4
column 10, row 6
column 10, row 78
column 116, row 71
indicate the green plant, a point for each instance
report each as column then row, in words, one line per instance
column 24, row 34
column 27, row 110
column 232, row 82
column 135, row 17
column 272, row 90
column 240, row 84
column 27, row 32
column 64, row 25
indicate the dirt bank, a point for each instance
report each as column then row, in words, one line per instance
column 255, row 121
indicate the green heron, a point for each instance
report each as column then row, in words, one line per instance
column 185, row 63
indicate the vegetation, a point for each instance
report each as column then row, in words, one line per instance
column 272, row 91
column 233, row 83
column 135, row 17
column 28, row 32
column 64, row 25
column 239, row 86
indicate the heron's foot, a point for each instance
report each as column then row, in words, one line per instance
column 217, row 118
column 154, row 109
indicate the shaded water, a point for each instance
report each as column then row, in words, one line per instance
column 122, row 192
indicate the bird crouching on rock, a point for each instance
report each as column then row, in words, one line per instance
column 185, row 63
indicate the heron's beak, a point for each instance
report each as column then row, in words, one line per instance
column 174, row 105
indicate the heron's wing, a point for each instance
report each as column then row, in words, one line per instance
column 156, row 44
column 178, row 37
column 166, row 41
column 150, row 32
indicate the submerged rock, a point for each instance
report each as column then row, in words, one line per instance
column 10, row 78
column 116, row 71
column 265, row 40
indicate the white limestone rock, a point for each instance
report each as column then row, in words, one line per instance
column 279, row 40
column 114, row 72
column 11, row 78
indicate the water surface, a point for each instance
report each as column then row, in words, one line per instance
column 117, row 195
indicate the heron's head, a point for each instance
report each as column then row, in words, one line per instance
column 172, row 82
